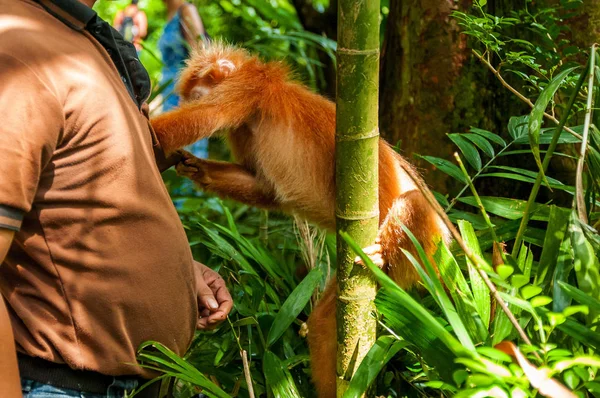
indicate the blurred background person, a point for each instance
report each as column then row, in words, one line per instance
column 132, row 23
column 183, row 31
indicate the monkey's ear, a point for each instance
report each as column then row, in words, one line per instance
column 221, row 69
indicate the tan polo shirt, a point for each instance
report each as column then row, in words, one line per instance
column 100, row 262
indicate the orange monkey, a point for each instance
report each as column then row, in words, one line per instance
column 283, row 138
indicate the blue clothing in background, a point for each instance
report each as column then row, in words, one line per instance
column 174, row 50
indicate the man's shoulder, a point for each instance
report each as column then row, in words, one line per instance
column 27, row 29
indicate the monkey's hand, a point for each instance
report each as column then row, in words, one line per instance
column 192, row 167
column 375, row 253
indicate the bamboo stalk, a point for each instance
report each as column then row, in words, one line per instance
column 357, row 204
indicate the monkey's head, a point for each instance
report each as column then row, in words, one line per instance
column 209, row 66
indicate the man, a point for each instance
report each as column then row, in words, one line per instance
column 99, row 261
column 132, row 24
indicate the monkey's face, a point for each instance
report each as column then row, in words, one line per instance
column 207, row 68
column 206, row 83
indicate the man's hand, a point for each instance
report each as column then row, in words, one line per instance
column 214, row 300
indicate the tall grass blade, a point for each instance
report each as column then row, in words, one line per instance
column 462, row 296
column 178, row 367
column 585, row 262
column 481, row 293
column 555, row 233
column 432, row 283
column 380, row 354
column 278, row 377
column 413, row 322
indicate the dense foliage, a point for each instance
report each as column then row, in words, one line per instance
column 441, row 340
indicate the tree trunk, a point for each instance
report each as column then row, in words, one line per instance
column 432, row 85
column 357, row 205
column 421, row 69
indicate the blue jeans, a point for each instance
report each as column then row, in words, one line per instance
column 34, row 389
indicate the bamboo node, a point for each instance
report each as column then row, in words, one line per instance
column 358, row 52
column 354, row 299
column 356, row 137
column 357, row 215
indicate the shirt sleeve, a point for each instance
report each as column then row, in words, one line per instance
column 31, row 126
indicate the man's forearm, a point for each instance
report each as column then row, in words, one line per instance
column 9, row 381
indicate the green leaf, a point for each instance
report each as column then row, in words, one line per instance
column 440, row 385
column 577, row 331
column 537, row 114
column 278, row 377
column 481, row 293
column 580, row 296
column 546, row 137
column 384, row 349
column 170, row 363
column 518, row 126
column 555, row 233
column 585, row 262
column 481, row 143
column 504, row 271
column 518, row 281
column 293, row 305
column 493, row 353
column 571, row 379
column 445, row 166
column 533, row 175
column 564, row 266
column 489, row 135
column 511, row 209
column 470, row 152
column 540, row 301
column 530, row 291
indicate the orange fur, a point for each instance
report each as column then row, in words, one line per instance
column 283, row 137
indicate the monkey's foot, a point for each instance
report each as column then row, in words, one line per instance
column 303, row 332
column 375, row 253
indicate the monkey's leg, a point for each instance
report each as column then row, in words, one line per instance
column 227, row 180
column 412, row 210
column 322, row 341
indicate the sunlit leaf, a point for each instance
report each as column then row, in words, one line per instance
column 293, row 305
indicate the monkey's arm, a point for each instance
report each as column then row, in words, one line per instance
column 227, row 180
column 201, row 119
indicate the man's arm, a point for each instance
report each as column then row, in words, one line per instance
column 193, row 28
column 9, row 381
column 142, row 23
